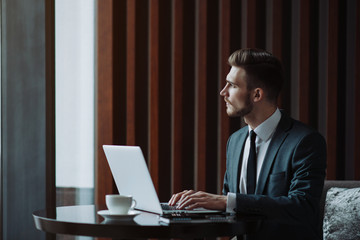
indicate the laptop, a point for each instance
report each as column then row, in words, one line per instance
column 132, row 177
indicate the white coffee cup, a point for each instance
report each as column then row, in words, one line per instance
column 119, row 204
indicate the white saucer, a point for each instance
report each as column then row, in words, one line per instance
column 118, row 217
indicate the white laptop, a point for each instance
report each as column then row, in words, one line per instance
column 132, row 177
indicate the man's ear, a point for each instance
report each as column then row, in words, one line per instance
column 258, row 94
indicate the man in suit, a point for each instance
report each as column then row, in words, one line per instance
column 275, row 165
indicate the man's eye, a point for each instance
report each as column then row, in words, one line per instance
column 231, row 85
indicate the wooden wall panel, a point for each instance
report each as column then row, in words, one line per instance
column 357, row 96
column 130, row 70
column 165, row 90
column 314, row 113
column 276, row 27
column 250, row 24
column 50, row 103
column 212, row 93
column 119, row 67
column 162, row 64
column 142, row 75
column 275, row 34
column 286, row 24
column 200, row 91
column 224, row 53
column 50, row 113
column 237, row 40
column 159, row 115
column 332, row 78
column 188, row 100
column 255, row 24
column 308, row 72
column 104, row 128
column 177, row 94
column 304, row 68
column 154, row 92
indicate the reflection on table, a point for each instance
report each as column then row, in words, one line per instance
column 84, row 220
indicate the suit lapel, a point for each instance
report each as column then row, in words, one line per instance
column 275, row 144
column 238, row 160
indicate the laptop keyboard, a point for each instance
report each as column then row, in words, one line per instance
column 166, row 206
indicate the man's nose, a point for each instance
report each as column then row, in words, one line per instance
column 223, row 91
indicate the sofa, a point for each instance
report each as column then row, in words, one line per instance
column 340, row 210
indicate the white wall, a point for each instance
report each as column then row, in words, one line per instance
column 75, row 23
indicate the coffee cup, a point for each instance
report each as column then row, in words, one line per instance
column 119, row 204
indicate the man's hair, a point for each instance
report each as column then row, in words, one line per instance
column 262, row 69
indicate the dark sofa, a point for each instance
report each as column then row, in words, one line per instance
column 335, row 183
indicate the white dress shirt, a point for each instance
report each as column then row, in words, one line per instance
column 264, row 133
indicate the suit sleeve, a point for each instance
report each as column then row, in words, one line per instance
column 301, row 202
column 225, row 185
column 226, row 188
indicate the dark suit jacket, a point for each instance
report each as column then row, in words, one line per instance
column 290, row 182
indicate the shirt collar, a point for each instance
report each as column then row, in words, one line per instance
column 266, row 129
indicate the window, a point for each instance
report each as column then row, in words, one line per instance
column 74, row 49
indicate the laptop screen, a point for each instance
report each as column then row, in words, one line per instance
column 132, row 177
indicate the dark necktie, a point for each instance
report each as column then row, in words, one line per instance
column 251, row 166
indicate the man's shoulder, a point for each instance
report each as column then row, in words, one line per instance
column 299, row 126
column 286, row 125
column 241, row 131
column 238, row 136
column 300, row 130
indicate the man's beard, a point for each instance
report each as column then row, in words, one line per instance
column 245, row 110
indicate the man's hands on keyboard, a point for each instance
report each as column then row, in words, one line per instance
column 190, row 199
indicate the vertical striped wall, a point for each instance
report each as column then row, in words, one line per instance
column 162, row 64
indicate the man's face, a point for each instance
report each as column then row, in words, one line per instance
column 235, row 93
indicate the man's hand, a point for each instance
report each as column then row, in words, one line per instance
column 191, row 199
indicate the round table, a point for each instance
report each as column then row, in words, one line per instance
column 84, row 220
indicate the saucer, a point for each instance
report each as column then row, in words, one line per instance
column 118, row 217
